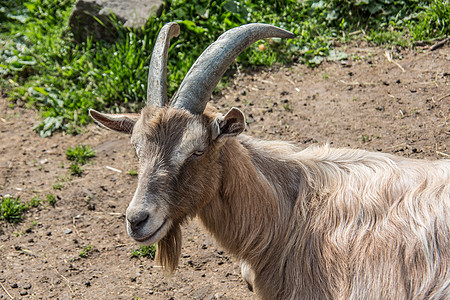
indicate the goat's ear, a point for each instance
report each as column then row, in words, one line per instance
column 118, row 122
column 232, row 124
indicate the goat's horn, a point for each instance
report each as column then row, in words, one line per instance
column 208, row 69
column 157, row 71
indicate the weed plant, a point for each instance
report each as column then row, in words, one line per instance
column 12, row 209
column 41, row 64
column 35, row 201
column 145, row 251
column 86, row 251
column 51, row 199
column 79, row 155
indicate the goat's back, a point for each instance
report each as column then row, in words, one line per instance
column 365, row 225
column 383, row 224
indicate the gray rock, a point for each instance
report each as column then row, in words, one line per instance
column 85, row 18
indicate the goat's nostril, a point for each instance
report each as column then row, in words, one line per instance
column 142, row 222
column 138, row 220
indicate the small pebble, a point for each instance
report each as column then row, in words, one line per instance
column 27, row 286
column 14, row 285
column 23, row 293
column 87, row 283
column 68, row 231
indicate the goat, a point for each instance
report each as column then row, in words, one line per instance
column 318, row 223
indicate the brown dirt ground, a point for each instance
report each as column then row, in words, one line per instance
column 365, row 102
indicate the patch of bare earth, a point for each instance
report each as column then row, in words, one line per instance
column 366, row 102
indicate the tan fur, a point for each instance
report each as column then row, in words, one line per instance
column 318, row 223
column 361, row 226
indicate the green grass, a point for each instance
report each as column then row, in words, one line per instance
column 35, row 201
column 86, row 251
column 133, row 172
column 58, row 185
column 51, row 199
column 61, row 180
column 79, row 155
column 12, row 209
column 41, row 64
column 145, row 251
column 433, row 21
column 75, row 169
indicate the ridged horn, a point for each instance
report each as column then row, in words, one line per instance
column 157, row 71
column 208, row 69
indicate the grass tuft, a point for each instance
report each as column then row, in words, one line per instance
column 51, row 199
column 86, row 251
column 145, row 251
column 80, row 154
column 35, row 201
column 11, row 209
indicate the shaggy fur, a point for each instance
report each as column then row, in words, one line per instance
column 318, row 223
column 328, row 223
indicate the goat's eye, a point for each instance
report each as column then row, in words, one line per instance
column 198, row 153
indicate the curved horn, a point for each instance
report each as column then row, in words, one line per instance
column 157, row 71
column 208, row 69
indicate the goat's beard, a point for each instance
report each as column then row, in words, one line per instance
column 169, row 249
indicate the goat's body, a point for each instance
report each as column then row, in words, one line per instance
column 328, row 223
column 314, row 224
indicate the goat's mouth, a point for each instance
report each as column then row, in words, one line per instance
column 154, row 236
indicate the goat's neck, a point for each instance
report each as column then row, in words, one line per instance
column 253, row 197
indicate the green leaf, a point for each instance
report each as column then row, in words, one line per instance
column 317, row 60
column 334, row 55
column 192, row 26
column 40, row 90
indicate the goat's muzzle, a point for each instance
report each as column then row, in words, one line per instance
column 138, row 220
column 146, row 226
